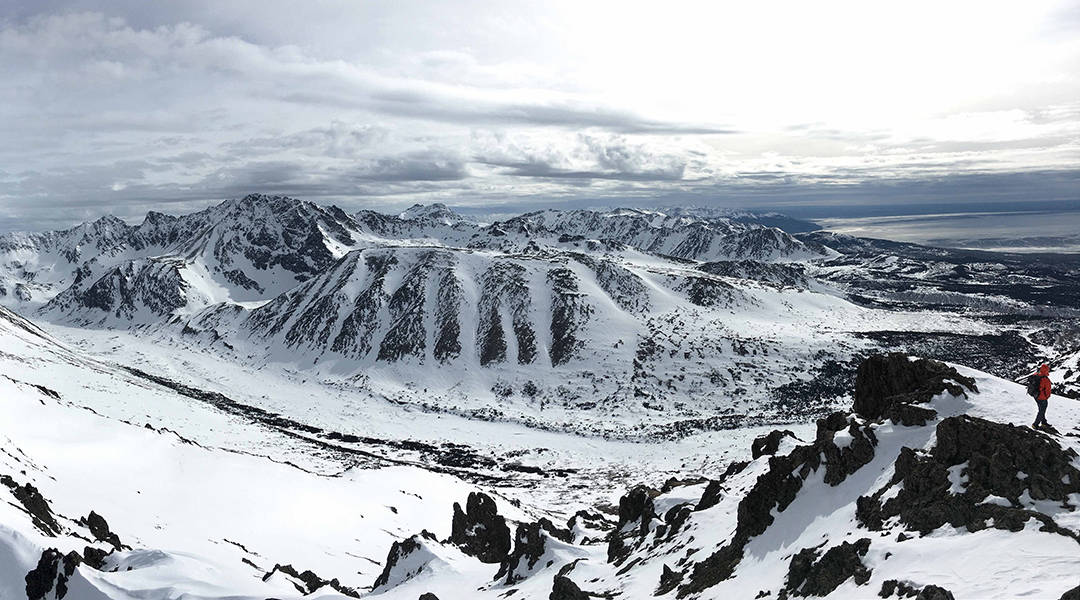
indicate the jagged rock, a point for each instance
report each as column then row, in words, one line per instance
column 714, row 490
column 909, row 415
column 562, row 588
column 480, row 531
column 991, row 456
column 769, row 443
column 564, row 535
column 35, row 504
column 529, row 545
column 669, row 580
column 809, row 575
column 674, row 519
column 674, row 482
column 589, row 522
column 48, row 573
column 399, row 552
column 887, row 379
column 775, row 489
column 311, row 581
column 933, row 592
column 99, row 528
column 1073, row 594
column 636, row 511
column 95, row 557
column 428, row 596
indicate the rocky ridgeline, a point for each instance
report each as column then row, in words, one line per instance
column 1004, row 469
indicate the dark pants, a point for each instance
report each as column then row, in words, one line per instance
column 1041, row 418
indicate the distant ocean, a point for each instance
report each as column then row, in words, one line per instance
column 1019, row 231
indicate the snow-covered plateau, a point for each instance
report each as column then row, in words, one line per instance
column 275, row 399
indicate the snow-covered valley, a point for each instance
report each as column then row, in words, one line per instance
column 272, row 383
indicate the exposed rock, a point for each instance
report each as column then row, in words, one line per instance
column 636, row 512
column 95, row 557
column 887, row 379
column 809, row 575
column 399, row 552
column 35, row 504
column 563, row 588
column 1073, row 594
column 564, row 535
column 776, row 489
column 933, row 592
column 991, row 456
column 529, row 547
column 714, row 491
column 49, row 573
column 769, row 443
column 99, row 528
column 428, row 596
column 909, row 415
column 311, row 582
column 480, row 531
column 669, row 580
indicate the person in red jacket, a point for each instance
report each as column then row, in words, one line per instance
column 1042, row 398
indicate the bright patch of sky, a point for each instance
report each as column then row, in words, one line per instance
column 127, row 106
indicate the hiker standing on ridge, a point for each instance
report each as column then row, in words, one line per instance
column 1039, row 388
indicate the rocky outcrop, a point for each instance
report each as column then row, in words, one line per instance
column 99, row 528
column 53, row 570
column 884, row 380
column 1073, row 594
column 529, row 545
column 980, row 474
column 905, row 589
column 769, row 443
column 404, row 561
column 636, row 512
column 814, row 574
column 562, row 588
column 479, row 530
column 775, row 489
column 35, row 504
column 310, row 582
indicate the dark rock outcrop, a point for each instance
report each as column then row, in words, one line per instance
column 99, row 528
column 904, row 589
column 35, row 504
column 887, row 379
column 399, row 551
column 636, row 512
column 428, row 596
column 563, row 588
column 529, row 545
column 769, row 443
column 53, row 569
column 311, row 582
column 776, row 489
column 479, row 530
column 1073, row 594
column 95, row 557
column 714, row 490
column 809, row 575
column 997, row 460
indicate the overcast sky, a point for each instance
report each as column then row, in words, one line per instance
column 127, row 105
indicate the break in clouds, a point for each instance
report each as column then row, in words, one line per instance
column 130, row 106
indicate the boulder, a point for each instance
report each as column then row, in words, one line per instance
column 998, row 460
column 563, row 588
column 809, row 575
column 529, row 545
column 769, row 443
column 887, row 379
column 99, row 528
column 480, row 530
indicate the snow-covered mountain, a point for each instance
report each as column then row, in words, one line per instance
column 122, row 484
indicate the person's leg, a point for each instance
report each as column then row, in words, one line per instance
column 1040, row 419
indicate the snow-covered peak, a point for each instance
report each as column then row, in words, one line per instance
column 436, row 212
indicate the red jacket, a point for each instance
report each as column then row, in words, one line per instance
column 1044, row 384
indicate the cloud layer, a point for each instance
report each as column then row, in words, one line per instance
column 127, row 106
